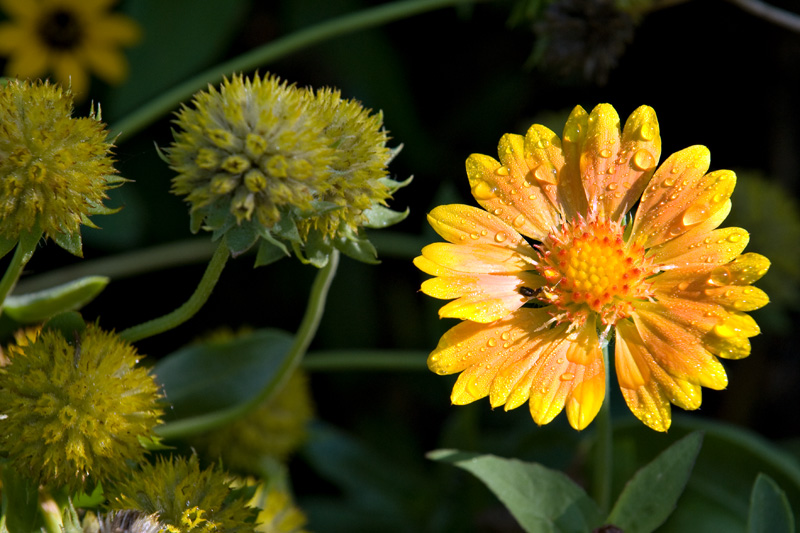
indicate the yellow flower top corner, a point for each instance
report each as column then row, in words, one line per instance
column 553, row 266
column 68, row 38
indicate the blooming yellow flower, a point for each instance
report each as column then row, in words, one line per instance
column 54, row 169
column 75, row 408
column 67, row 38
column 672, row 287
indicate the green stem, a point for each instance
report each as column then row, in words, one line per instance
column 272, row 51
column 305, row 334
column 190, row 307
column 25, row 248
column 603, row 460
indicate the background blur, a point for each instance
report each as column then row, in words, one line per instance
column 450, row 82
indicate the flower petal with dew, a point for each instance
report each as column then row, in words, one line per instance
column 554, row 267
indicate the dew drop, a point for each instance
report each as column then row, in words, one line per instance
column 519, row 221
column 567, row 376
column 497, row 212
column 491, row 343
column 734, row 237
column 669, row 182
column 683, row 285
column 605, row 153
column 484, row 233
column 505, row 336
column 500, row 237
column 474, row 236
column 643, row 160
column 648, row 131
column 483, row 191
column 502, row 171
column 695, row 214
column 612, row 186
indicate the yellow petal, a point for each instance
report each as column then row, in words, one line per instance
column 503, row 190
column 70, row 72
column 677, row 350
column 116, row 30
column 570, row 181
column 701, row 251
column 108, row 64
column 464, row 224
column 479, row 258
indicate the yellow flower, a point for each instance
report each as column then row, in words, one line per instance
column 54, row 169
column 67, row 38
column 278, row 512
column 672, row 287
column 75, row 408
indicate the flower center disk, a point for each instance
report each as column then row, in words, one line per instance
column 590, row 268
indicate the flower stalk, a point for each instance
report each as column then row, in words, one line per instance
column 190, row 307
column 23, row 253
column 604, row 445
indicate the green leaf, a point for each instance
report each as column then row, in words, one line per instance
column 41, row 305
column 6, row 245
column 20, row 502
column 216, row 376
column 651, row 495
column 379, row 217
column 269, row 251
column 770, row 511
column 240, row 239
column 542, row 500
column 358, row 248
column 69, row 323
column 71, row 242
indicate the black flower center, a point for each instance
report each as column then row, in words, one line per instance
column 61, row 30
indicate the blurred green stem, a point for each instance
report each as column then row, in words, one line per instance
column 366, row 360
column 25, row 248
column 272, row 51
column 305, row 334
column 190, row 307
column 603, row 460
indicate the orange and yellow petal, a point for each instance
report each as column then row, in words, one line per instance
column 477, row 258
column 465, row 224
column 680, row 196
column 647, row 387
column 701, row 251
column 511, row 191
column 481, row 297
column 616, row 166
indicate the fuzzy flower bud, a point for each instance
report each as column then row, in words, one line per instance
column 262, row 161
column 54, row 169
column 75, row 408
column 185, row 499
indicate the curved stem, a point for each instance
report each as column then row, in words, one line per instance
column 190, row 307
column 603, row 460
column 305, row 334
column 23, row 253
column 272, row 51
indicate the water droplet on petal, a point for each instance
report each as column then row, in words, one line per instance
column 491, row 343
column 683, row 285
column 612, row 186
column 734, row 237
column 519, row 221
column 643, row 160
column 567, row 376
column 502, row 171
column 669, row 182
column 500, row 237
column 483, row 191
column 695, row 214
column 605, row 152
column 648, row 131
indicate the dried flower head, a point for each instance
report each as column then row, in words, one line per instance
column 75, row 408
column 67, row 38
column 286, row 167
column 54, row 169
column 185, row 498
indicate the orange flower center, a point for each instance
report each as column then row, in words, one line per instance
column 590, row 268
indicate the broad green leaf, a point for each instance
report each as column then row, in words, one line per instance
column 214, row 376
column 241, row 238
column 41, row 305
column 20, row 502
column 651, row 495
column 71, row 242
column 269, row 251
column 542, row 500
column 358, row 248
column 379, row 217
column 770, row 511
column 6, row 245
column 69, row 323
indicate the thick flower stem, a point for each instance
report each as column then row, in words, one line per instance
column 367, row 18
column 190, row 307
column 305, row 334
column 603, row 460
column 25, row 248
